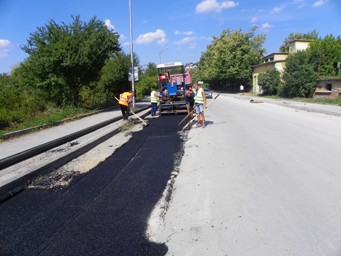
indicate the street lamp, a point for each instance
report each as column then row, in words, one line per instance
column 132, row 53
column 162, row 52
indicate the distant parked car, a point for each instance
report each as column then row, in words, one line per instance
column 208, row 93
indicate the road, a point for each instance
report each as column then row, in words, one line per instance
column 100, row 212
column 260, row 179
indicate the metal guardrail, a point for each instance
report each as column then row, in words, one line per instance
column 24, row 155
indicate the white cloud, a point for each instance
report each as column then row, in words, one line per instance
column 123, row 37
column 159, row 36
column 254, row 20
column 278, row 9
column 185, row 40
column 206, row 38
column 319, row 3
column 108, row 24
column 299, row 3
column 185, row 33
column 5, row 47
column 265, row 27
column 207, row 6
column 192, row 46
column 126, row 44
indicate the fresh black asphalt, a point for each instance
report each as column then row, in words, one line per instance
column 103, row 212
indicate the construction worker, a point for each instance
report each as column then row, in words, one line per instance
column 154, row 97
column 125, row 99
column 189, row 99
column 200, row 103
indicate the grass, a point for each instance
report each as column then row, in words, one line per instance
column 49, row 117
column 336, row 101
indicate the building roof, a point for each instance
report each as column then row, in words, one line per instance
column 268, row 63
column 300, row 40
column 275, row 53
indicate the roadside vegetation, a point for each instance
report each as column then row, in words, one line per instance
column 71, row 69
column 228, row 60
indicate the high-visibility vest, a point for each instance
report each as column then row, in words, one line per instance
column 199, row 98
column 153, row 97
column 124, row 98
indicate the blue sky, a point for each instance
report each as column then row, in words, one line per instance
column 175, row 30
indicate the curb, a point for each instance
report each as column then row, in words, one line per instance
column 18, row 185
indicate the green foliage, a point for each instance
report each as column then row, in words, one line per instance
column 324, row 55
column 146, row 85
column 151, row 70
column 113, row 81
column 270, row 81
column 16, row 104
column 228, row 60
column 299, row 76
column 148, row 81
column 295, row 36
column 64, row 58
column 196, row 75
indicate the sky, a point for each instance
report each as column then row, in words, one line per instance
column 168, row 31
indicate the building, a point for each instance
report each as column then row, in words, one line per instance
column 328, row 88
column 277, row 61
column 274, row 60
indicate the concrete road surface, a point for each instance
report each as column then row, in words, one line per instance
column 260, row 179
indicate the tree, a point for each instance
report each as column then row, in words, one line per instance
column 295, row 36
column 16, row 103
column 299, row 76
column 227, row 61
column 324, row 55
column 113, row 81
column 151, row 70
column 270, row 81
column 196, row 75
column 64, row 58
column 148, row 81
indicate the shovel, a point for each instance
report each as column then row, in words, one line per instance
column 189, row 122
column 143, row 122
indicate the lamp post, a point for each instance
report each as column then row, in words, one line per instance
column 162, row 52
column 132, row 53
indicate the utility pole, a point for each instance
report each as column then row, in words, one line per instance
column 132, row 52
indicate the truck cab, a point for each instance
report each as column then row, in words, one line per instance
column 173, row 80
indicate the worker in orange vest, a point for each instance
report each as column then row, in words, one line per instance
column 125, row 99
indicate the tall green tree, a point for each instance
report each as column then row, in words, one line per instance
column 324, row 54
column 64, row 58
column 151, row 70
column 148, row 81
column 299, row 76
column 295, row 36
column 113, row 80
column 227, row 61
column 270, row 81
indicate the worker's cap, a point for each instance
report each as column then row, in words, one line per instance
column 200, row 82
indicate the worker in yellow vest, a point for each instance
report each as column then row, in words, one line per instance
column 125, row 99
column 200, row 104
column 154, row 98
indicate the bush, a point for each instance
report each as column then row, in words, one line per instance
column 270, row 82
